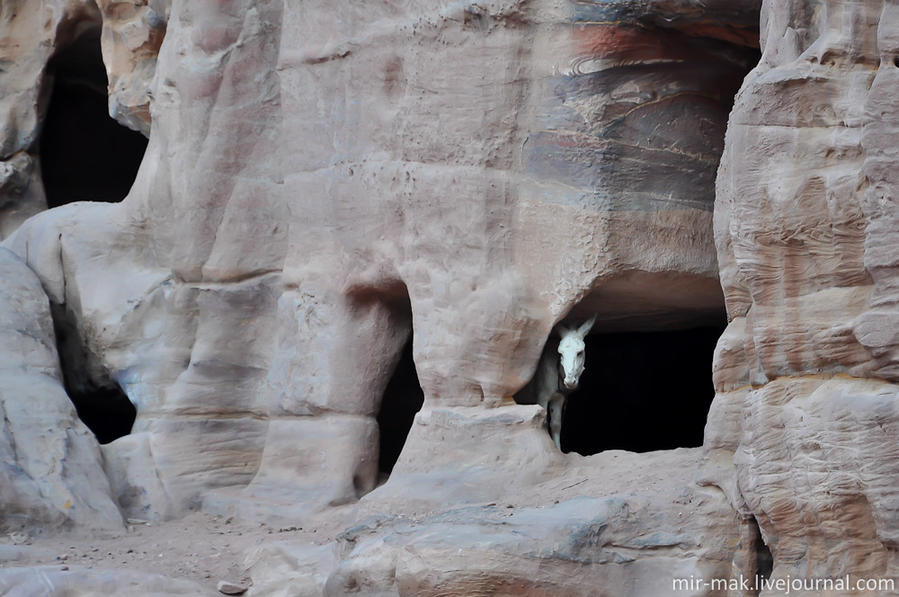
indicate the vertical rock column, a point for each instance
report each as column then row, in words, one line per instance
column 805, row 226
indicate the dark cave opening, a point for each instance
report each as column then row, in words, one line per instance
column 106, row 411
column 100, row 402
column 642, row 391
column 85, row 155
column 764, row 560
column 402, row 399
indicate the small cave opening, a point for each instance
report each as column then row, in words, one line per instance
column 642, row 391
column 85, row 154
column 764, row 560
column 403, row 398
column 100, row 402
column 106, row 411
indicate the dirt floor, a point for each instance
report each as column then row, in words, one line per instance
column 201, row 547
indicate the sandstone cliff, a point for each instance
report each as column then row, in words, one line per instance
column 326, row 182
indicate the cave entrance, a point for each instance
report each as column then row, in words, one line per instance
column 642, row 391
column 99, row 401
column 764, row 560
column 402, row 399
column 85, row 155
column 106, row 411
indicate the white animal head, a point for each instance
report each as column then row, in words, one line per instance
column 571, row 352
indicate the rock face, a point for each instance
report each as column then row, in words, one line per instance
column 52, row 471
column 324, row 178
column 29, row 33
column 259, row 282
column 132, row 34
column 583, row 530
column 805, row 222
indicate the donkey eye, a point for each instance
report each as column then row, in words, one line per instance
column 580, row 353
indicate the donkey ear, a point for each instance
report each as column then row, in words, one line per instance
column 561, row 331
column 585, row 327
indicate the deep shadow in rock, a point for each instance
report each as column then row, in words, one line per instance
column 764, row 560
column 106, row 411
column 100, row 402
column 642, row 392
column 85, row 154
column 402, row 399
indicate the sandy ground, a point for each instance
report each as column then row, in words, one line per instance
column 201, row 547
column 204, row 548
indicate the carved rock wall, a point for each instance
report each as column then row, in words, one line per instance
column 319, row 179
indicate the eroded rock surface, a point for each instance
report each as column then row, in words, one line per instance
column 29, row 34
column 324, row 177
column 806, row 231
column 51, row 470
column 132, row 35
column 32, row 34
column 612, row 524
column 318, row 177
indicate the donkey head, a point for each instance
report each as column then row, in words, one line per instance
column 571, row 352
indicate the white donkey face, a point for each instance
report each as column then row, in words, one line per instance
column 571, row 351
column 571, row 363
